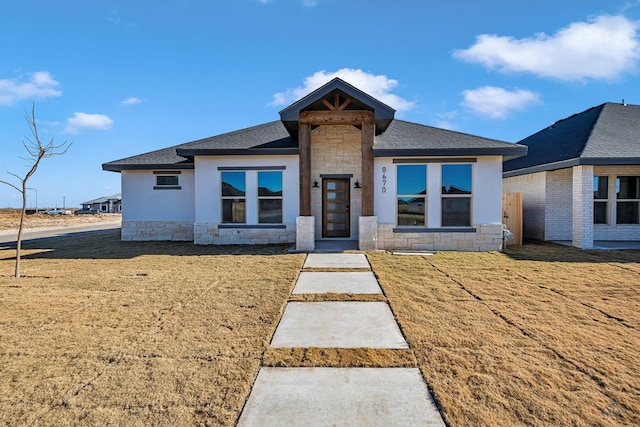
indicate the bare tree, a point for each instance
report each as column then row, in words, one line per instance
column 37, row 151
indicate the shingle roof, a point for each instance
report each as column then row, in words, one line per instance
column 606, row 134
column 405, row 138
column 104, row 199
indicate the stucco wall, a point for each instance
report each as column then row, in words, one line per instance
column 143, row 203
column 208, row 210
column 486, row 202
column 532, row 187
column 336, row 150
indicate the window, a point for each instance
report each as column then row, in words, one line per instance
column 600, row 198
column 411, row 193
column 456, row 195
column 233, row 198
column 628, row 200
column 270, row 197
column 167, row 180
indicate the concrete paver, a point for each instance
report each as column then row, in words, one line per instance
column 336, row 261
column 338, row 325
column 340, row 282
column 340, row 396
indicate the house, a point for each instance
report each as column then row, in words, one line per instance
column 580, row 181
column 109, row 204
column 337, row 165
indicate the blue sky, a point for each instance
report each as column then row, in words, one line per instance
column 122, row 77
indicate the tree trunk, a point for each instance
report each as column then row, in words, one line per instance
column 19, row 239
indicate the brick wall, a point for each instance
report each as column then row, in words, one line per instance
column 558, row 219
column 532, row 188
column 583, row 206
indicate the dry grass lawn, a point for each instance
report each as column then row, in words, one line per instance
column 101, row 332
column 111, row 333
column 542, row 335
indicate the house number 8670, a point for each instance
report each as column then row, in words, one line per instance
column 384, row 179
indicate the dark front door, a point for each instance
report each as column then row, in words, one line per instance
column 335, row 207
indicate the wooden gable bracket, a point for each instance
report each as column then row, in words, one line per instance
column 336, row 106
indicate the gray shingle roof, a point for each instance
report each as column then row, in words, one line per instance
column 606, row 134
column 400, row 139
column 405, row 138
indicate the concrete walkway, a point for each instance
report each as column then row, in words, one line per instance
column 321, row 396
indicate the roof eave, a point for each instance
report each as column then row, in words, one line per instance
column 121, row 167
column 569, row 163
column 510, row 152
column 236, row 152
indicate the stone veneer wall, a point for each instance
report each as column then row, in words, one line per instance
column 157, row 230
column 487, row 237
column 336, row 150
column 209, row 234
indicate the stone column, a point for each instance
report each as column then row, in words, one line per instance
column 583, row 207
column 368, row 233
column 305, row 234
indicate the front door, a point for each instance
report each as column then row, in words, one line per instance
column 335, row 207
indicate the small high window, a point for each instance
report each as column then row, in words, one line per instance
column 167, row 180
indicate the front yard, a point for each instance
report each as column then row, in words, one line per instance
column 105, row 332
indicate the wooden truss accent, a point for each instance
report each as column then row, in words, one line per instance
column 335, row 117
column 336, row 106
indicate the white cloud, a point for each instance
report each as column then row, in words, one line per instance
column 378, row 86
column 602, row 48
column 39, row 85
column 132, row 100
column 82, row 121
column 496, row 102
column 444, row 124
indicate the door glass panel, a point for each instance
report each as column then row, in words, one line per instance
column 331, row 185
column 334, row 196
column 336, row 206
column 335, row 216
column 335, row 226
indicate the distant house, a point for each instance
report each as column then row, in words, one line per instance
column 109, row 204
column 580, row 180
column 337, row 165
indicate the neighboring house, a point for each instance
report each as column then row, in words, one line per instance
column 337, row 165
column 580, row 180
column 110, row 204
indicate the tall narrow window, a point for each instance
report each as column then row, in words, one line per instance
column 411, row 194
column 600, row 199
column 233, row 198
column 456, row 195
column 628, row 200
column 270, row 197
